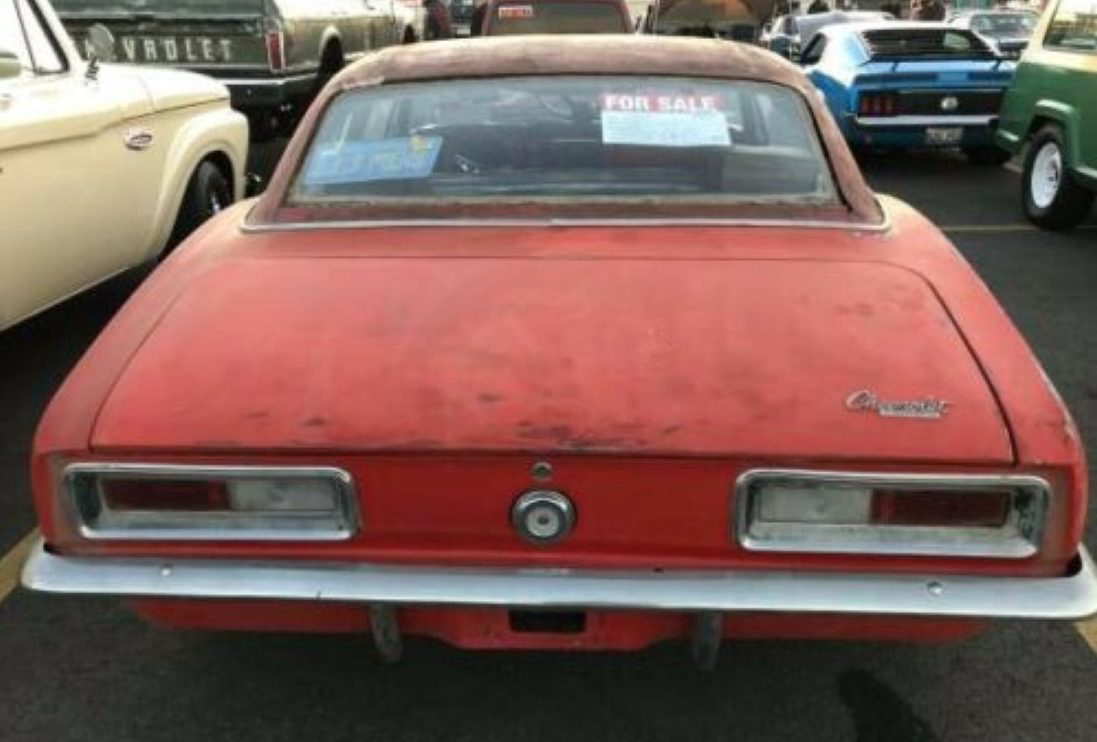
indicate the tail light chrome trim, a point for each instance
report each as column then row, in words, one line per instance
column 1018, row 537
column 84, row 501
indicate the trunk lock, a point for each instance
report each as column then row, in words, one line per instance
column 543, row 517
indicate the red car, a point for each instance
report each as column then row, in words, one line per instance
column 574, row 343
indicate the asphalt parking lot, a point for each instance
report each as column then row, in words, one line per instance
column 86, row 669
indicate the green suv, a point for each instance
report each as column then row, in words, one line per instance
column 1052, row 106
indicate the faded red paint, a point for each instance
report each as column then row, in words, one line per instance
column 490, row 628
column 651, row 365
column 725, row 356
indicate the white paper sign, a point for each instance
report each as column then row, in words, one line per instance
column 697, row 129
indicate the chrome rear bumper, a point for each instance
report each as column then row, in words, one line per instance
column 892, row 122
column 1070, row 597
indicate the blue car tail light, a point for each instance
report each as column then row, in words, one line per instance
column 881, row 103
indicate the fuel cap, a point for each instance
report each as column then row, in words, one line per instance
column 543, row 516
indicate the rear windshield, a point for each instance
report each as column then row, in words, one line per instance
column 565, row 140
column 925, row 43
column 700, row 12
column 1017, row 24
column 546, row 16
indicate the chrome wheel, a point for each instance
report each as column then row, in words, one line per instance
column 1047, row 175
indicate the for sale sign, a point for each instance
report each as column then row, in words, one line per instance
column 651, row 103
column 658, row 120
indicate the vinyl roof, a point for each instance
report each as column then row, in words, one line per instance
column 558, row 54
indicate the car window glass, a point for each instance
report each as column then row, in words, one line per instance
column 12, row 40
column 927, row 43
column 1074, row 25
column 814, row 51
column 566, row 139
column 22, row 33
column 1019, row 24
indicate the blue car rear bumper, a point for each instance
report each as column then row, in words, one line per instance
column 919, row 132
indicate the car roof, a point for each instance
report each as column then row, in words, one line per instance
column 562, row 54
column 847, row 16
column 580, row 54
column 860, row 27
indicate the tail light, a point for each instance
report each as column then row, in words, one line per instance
column 881, row 103
column 129, row 501
column 276, row 48
column 970, row 509
column 799, row 511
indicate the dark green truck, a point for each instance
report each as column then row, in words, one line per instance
column 272, row 54
column 1052, row 108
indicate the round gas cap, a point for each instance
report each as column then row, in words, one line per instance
column 543, row 516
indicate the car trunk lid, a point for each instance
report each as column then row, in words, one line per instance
column 934, row 73
column 724, row 357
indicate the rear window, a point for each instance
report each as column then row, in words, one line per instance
column 1018, row 24
column 700, row 12
column 546, row 16
column 1074, row 25
column 565, row 141
column 924, row 43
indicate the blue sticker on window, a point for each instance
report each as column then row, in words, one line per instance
column 377, row 159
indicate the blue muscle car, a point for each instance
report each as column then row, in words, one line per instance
column 911, row 86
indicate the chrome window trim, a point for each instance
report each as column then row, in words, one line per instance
column 256, row 82
column 967, row 542
column 51, row 33
column 883, row 226
column 347, row 511
column 1068, row 596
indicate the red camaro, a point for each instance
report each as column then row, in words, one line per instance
column 566, row 342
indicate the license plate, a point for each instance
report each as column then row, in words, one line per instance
column 939, row 136
column 171, row 49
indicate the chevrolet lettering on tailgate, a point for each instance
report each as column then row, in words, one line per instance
column 273, row 55
column 170, row 49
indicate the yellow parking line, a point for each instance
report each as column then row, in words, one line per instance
column 12, row 562
column 1088, row 630
column 1001, row 228
column 990, row 228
